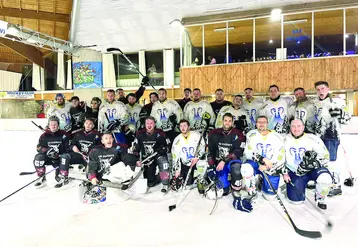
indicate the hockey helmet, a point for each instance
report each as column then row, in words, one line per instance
column 94, row 194
column 59, row 95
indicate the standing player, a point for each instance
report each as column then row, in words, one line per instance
column 306, row 156
column 147, row 109
column 52, row 143
column 252, row 105
column 241, row 119
column 184, row 148
column 117, row 114
column 82, row 143
column 225, row 144
column 147, row 142
column 62, row 111
column 167, row 114
column 133, row 119
column 77, row 113
column 303, row 109
column 186, row 99
column 219, row 101
column 93, row 111
column 331, row 112
column 194, row 111
column 276, row 109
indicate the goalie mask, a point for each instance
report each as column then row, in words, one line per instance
column 92, row 194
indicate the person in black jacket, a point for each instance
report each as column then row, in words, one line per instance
column 219, row 102
column 147, row 109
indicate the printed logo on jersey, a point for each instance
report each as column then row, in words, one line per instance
column 252, row 115
column 85, row 147
column 133, row 118
column 300, row 114
column 265, row 150
column 197, row 113
column 298, row 153
column 189, row 152
column 67, row 117
column 148, row 149
column 105, row 164
column 162, row 114
column 55, row 147
column 223, row 152
column 317, row 113
column 111, row 113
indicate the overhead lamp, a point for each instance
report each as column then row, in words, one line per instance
column 295, row 21
column 276, row 14
column 176, row 23
column 223, row 29
column 270, row 41
column 347, row 36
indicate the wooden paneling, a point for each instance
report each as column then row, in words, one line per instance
column 340, row 73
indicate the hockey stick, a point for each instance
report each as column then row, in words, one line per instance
column 38, row 126
column 329, row 224
column 216, row 200
column 102, row 183
column 304, row 233
column 112, row 49
column 349, row 181
column 174, row 206
column 27, row 184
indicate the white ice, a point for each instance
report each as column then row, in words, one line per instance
column 46, row 217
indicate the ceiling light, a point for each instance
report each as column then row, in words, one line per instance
column 223, row 9
column 347, row 35
column 276, row 14
column 270, row 41
column 295, row 21
column 223, row 29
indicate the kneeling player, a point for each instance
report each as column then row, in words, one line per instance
column 104, row 159
column 306, row 155
column 148, row 141
column 52, row 143
column 225, row 145
column 264, row 152
column 81, row 145
column 187, row 152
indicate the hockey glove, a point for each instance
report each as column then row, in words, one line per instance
column 145, row 81
column 309, row 163
column 67, row 128
column 176, row 183
column 211, row 172
column 241, row 123
column 113, row 125
column 335, row 112
column 243, row 205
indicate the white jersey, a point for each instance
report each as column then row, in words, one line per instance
column 63, row 114
column 296, row 148
column 162, row 113
column 327, row 126
column 236, row 114
column 133, row 115
column 114, row 110
column 270, row 146
column 305, row 111
column 252, row 109
column 184, row 148
column 193, row 112
column 277, row 114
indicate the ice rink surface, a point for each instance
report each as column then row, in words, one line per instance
column 48, row 217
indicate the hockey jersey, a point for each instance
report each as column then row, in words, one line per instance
column 296, row 148
column 167, row 114
column 325, row 125
column 85, row 141
column 237, row 113
column 146, row 144
column 270, row 146
column 114, row 110
column 133, row 116
column 305, row 111
column 193, row 112
column 252, row 108
column 276, row 112
column 53, row 143
column 63, row 114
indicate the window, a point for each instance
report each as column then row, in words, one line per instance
column 267, row 39
column 240, row 41
column 328, row 33
column 154, row 66
column 51, row 72
column 297, row 35
column 176, row 66
column 192, row 46
column 215, row 43
column 351, row 31
column 126, row 75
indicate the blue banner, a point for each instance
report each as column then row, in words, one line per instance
column 87, row 75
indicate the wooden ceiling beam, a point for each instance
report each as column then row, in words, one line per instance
column 27, row 51
column 34, row 14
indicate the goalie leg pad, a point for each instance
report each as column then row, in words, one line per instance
column 247, row 172
column 236, row 177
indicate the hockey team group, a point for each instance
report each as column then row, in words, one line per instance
column 241, row 147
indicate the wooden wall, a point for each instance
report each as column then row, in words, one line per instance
column 340, row 73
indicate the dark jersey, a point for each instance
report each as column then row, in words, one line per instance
column 138, row 94
column 53, row 144
column 77, row 117
column 92, row 114
column 225, row 145
column 145, row 112
column 217, row 106
column 147, row 144
column 183, row 102
column 85, row 141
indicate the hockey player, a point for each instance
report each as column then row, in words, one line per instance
column 186, row 99
column 138, row 94
column 194, row 111
column 52, row 143
column 117, row 114
column 331, row 112
column 186, row 153
column 93, row 111
column 133, row 111
column 62, row 111
column 241, row 119
column 306, row 156
column 252, row 105
column 219, row 102
column 82, row 143
column 148, row 141
column 225, row 144
column 264, row 152
column 275, row 109
column 77, row 112
column 105, row 159
column 147, row 109
column 167, row 114
column 303, row 109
